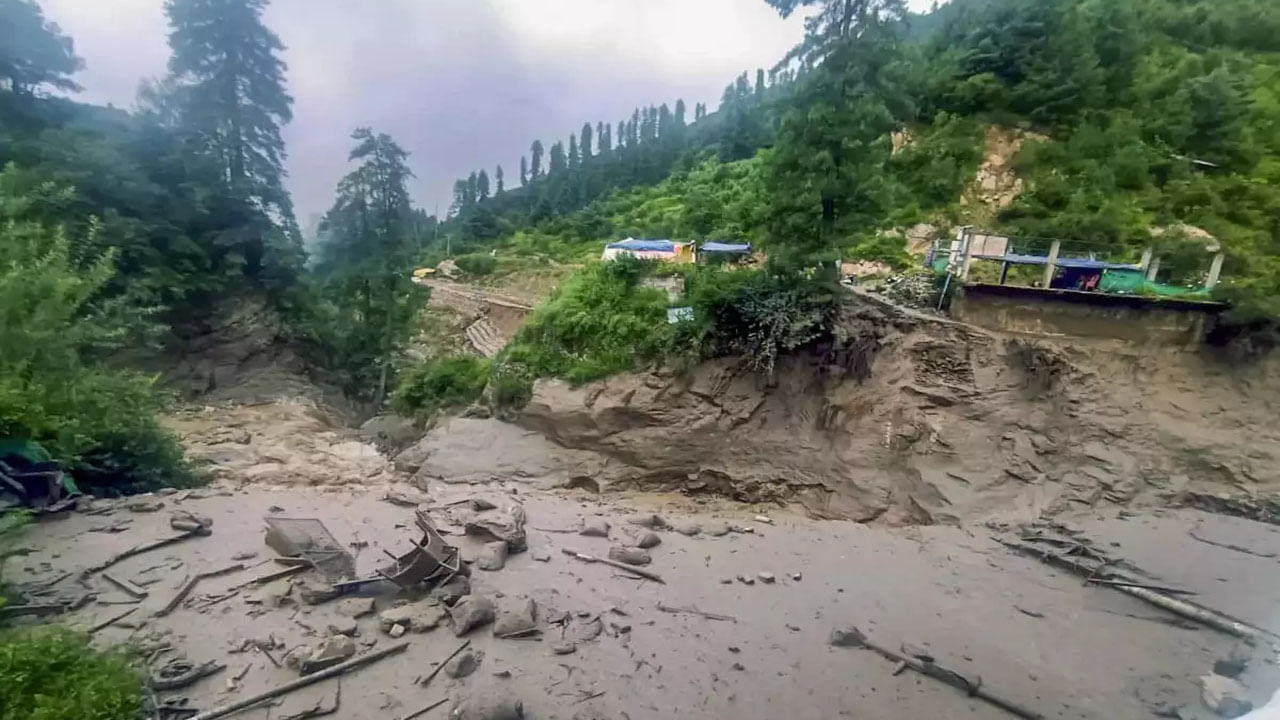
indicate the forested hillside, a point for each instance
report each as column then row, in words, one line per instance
column 1150, row 114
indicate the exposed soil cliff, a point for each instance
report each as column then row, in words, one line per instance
column 947, row 423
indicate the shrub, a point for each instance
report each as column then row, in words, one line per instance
column 478, row 264
column 51, row 673
column 449, row 382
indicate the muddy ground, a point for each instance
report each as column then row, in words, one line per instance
column 1033, row 634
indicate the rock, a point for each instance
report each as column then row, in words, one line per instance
column 144, row 505
column 630, row 556
column 488, row 704
column 346, row 626
column 690, row 529
column 331, row 651
column 405, row 497
column 564, row 648
column 470, row 613
column 653, row 522
column 187, row 521
column 245, row 555
column 493, row 556
column 589, row 630
column 451, row 592
column 294, row 658
column 746, row 580
column 1224, row 696
column 355, row 607
column 506, row 525
column 463, row 665
column 764, row 519
column 847, row 637
column 165, row 492
column 480, row 504
column 738, row 666
column 719, row 530
column 726, row 581
column 522, row 618
column 766, row 577
column 397, row 631
column 1234, row 664
column 418, row 617
column 390, row 433
column 594, row 528
column 649, row 540
column 797, row 576
column 540, row 555
column 315, row 592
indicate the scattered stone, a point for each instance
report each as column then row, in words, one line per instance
column 187, row 521
column 493, row 556
column 488, row 704
column 275, row 509
column 504, row 674
column 470, row 613
column 690, row 529
column 630, row 556
column 418, row 617
column 846, row 637
column 735, row 649
column 719, row 530
column 331, row 651
column 345, row 626
column 145, row 505
column 540, row 555
column 295, row 657
column 245, row 555
column 520, row 619
column 766, row 577
column 793, row 628
column 653, row 522
column 1234, row 664
column 397, row 631
column 463, row 665
column 594, row 528
column 649, row 540
column 589, row 630
column 355, row 607
column 480, row 504
column 738, row 666
column 405, row 497
column 1224, row 696
column 619, row 629
column 557, row 617
column 746, row 580
column 453, row 591
column 797, row 576
column 167, row 491
column 315, row 592
column 564, row 648
column 726, row 581
column 505, row 525
column 764, row 519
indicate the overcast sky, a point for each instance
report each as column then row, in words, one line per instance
column 461, row 84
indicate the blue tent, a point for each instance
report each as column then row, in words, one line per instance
column 717, row 247
column 643, row 245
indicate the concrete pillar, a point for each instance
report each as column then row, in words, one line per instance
column 1052, row 266
column 1152, row 269
column 966, row 247
column 1215, row 271
column 1146, row 259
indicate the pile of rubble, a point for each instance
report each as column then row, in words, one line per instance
column 918, row 290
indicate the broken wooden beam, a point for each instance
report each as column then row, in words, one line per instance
column 186, row 589
column 647, row 574
column 125, row 586
column 138, row 550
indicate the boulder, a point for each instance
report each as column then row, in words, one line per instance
column 390, row 433
column 630, row 556
column 493, row 556
column 470, row 613
column 405, row 497
column 1225, row 697
column 355, row 607
column 463, row 665
column 187, row 521
column 344, row 626
column 519, row 619
column 653, row 522
column 506, row 525
column 488, row 704
column 689, row 528
column 649, row 540
column 144, row 505
column 594, row 528
column 331, row 651
column 315, row 592
column 451, row 592
column 417, row 617
column 847, row 637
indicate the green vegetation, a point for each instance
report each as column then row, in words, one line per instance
column 49, row 673
column 447, row 383
column 477, row 264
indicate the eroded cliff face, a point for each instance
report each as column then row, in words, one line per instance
column 948, row 423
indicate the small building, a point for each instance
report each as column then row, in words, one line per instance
column 664, row 250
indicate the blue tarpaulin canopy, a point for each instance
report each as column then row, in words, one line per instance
column 1064, row 262
column 716, row 247
column 641, row 245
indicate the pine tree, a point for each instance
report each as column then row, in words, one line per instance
column 574, row 157
column 473, row 189
column 524, row 171
column 679, row 116
column 34, row 52
column 497, row 177
column 586, row 142
column 482, row 186
column 760, row 85
column 535, row 167
column 232, row 90
column 606, row 139
column 558, row 162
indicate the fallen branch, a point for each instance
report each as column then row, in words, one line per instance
column 139, row 549
column 190, row 585
column 1229, row 546
column 1129, row 583
column 112, row 620
column 127, row 587
column 12, row 611
column 440, row 667
column 692, row 610
column 425, row 710
column 970, row 686
column 648, row 574
column 287, row 572
column 301, row 682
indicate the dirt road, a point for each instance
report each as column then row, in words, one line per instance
column 1034, row 635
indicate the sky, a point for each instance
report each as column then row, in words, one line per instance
column 460, row 84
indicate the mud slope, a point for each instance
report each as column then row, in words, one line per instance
column 953, row 423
